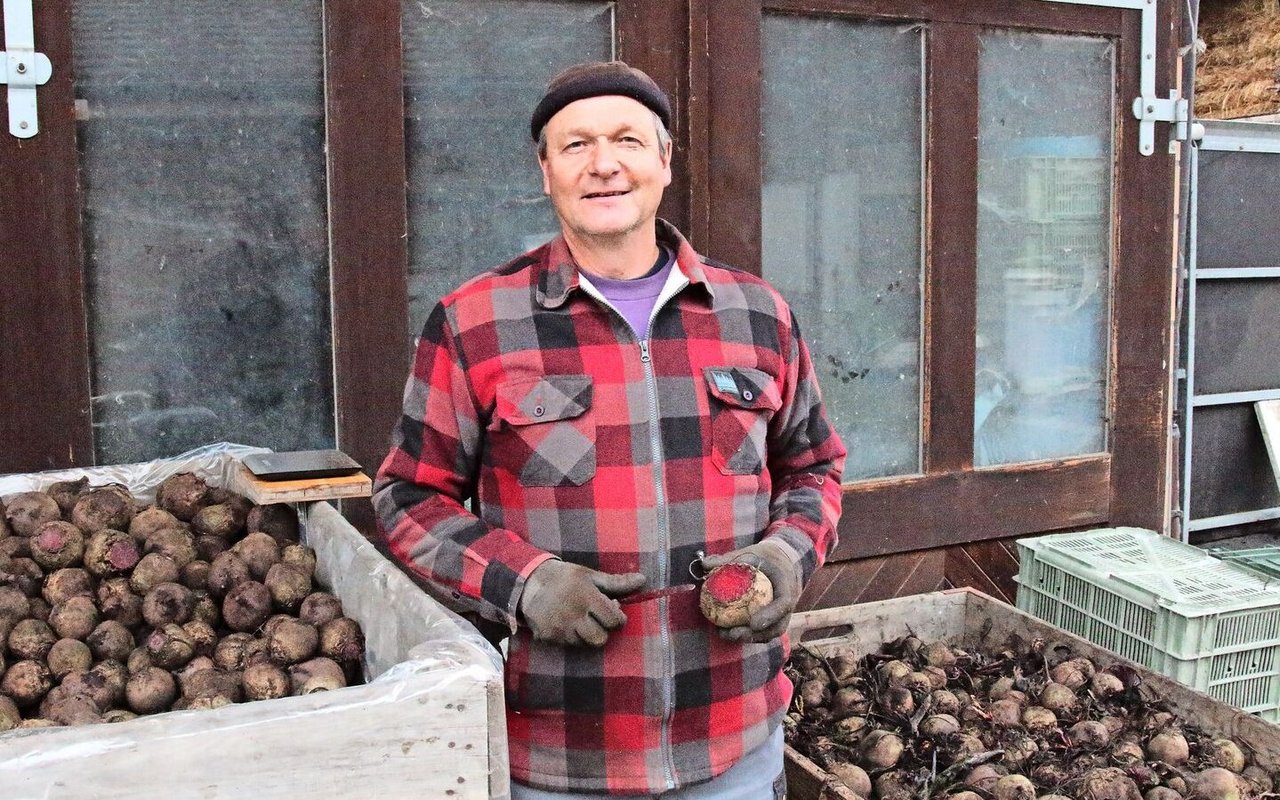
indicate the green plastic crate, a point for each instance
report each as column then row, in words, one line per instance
column 1210, row 624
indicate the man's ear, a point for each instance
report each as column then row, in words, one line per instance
column 666, row 163
column 546, row 181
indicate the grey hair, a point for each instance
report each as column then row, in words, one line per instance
column 664, row 136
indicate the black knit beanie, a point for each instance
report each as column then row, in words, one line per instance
column 593, row 80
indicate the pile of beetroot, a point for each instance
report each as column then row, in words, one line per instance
column 929, row 720
column 110, row 609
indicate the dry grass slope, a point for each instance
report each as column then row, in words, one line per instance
column 1239, row 73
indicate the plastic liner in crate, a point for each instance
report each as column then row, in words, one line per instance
column 1207, row 623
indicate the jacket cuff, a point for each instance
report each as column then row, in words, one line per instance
column 798, row 546
column 495, row 572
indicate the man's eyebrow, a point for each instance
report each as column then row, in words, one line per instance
column 586, row 133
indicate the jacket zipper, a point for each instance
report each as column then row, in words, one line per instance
column 660, row 496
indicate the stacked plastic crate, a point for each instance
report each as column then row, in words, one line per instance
column 1211, row 624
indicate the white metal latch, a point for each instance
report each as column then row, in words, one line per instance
column 1150, row 110
column 22, row 68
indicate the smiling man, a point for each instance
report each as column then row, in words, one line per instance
column 586, row 430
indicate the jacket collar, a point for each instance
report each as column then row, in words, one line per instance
column 559, row 277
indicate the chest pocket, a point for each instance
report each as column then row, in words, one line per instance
column 545, row 433
column 742, row 402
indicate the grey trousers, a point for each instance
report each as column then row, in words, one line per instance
column 758, row 776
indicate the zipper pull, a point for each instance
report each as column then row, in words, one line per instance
column 644, row 351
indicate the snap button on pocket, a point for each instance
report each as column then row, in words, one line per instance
column 748, row 395
column 539, row 411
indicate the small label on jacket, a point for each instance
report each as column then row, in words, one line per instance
column 724, row 381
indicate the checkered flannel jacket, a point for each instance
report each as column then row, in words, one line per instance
column 535, row 402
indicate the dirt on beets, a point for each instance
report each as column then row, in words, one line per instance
column 930, row 720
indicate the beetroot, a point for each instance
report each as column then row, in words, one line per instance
column 292, row 641
column 170, row 647
column 23, row 574
column 104, row 507
column 65, row 494
column 168, row 603
column 217, row 520
column 319, row 607
column 110, row 552
column 732, row 593
column 175, row 543
column 246, row 606
column 150, row 691
column 150, row 520
column 66, row 583
column 26, row 682
column 153, row 570
column 74, row 618
column 182, row 495
column 260, row 553
column 278, row 520
column 265, row 681
column 111, row 640
column 13, row 603
column 31, row 639
column 342, row 640
column 27, row 511
column 289, row 586
column 57, row 544
column 118, row 602
column 226, row 572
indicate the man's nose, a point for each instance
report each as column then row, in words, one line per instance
column 604, row 160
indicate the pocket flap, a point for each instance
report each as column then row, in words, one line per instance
column 545, row 399
column 743, row 387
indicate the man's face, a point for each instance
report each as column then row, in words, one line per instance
column 604, row 169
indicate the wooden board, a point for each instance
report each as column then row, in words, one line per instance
column 1269, row 421
column 307, row 490
column 972, row 620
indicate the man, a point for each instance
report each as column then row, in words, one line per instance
column 613, row 407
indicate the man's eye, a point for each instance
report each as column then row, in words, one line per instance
column 575, row 146
column 631, row 140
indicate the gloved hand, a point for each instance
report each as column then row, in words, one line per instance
column 573, row 605
column 774, row 560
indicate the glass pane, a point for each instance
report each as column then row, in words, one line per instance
column 841, row 205
column 202, row 148
column 473, row 72
column 1237, row 327
column 1236, row 223
column 1044, row 246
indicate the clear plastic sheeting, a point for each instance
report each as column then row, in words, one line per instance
column 217, row 463
column 429, row 723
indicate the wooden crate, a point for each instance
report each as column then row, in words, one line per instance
column 975, row 621
column 429, row 723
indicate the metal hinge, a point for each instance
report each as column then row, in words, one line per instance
column 22, row 68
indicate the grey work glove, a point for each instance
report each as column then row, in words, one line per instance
column 775, row 561
column 574, row 605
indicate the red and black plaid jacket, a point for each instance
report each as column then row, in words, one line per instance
column 534, row 401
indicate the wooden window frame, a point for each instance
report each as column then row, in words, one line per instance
column 952, row 502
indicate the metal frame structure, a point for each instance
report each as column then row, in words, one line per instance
column 1233, row 137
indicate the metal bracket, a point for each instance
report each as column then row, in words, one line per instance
column 1149, row 110
column 22, row 68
